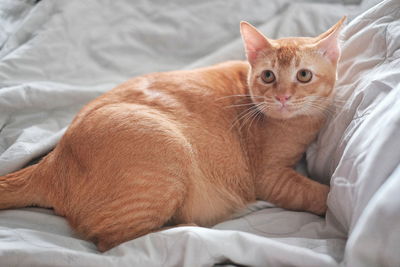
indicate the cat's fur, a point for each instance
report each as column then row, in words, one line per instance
column 188, row 146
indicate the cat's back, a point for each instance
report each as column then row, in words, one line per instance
column 181, row 116
column 200, row 100
column 174, row 92
column 166, row 89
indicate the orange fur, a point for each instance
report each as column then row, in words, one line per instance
column 186, row 146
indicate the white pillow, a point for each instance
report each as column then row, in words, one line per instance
column 359, row 148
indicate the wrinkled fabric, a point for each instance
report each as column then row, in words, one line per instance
column 359, row 148
column 55, row 56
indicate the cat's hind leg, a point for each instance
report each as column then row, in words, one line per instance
column 132, row 175
column 137, row 212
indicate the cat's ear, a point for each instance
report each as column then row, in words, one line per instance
column 254, row 41
column 328, row 42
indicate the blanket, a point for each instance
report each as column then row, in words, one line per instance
column 55, row 56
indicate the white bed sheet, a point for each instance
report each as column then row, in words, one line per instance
column 61, row 54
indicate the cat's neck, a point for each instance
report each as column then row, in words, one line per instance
column 306, row 123
column 272, row 142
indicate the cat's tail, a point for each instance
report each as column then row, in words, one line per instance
column 21, row 188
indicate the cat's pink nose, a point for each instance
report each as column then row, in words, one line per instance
column 282, row 98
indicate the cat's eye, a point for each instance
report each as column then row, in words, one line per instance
column 304, row 76
column 268, row 76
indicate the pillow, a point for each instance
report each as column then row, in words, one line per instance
column 359, row 147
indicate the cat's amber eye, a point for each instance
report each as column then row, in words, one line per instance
column 304, row 76
column 268, row 76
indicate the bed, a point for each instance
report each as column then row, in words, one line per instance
column 55, row 56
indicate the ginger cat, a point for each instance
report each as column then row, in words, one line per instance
column 189, row 146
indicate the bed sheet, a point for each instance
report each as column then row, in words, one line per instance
column 61, row 54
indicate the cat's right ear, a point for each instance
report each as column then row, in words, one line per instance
column 254, row 41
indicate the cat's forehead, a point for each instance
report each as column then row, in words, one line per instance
column 287, row 52
column 281, row 57
column 284, row 55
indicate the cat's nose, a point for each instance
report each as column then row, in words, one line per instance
column 283, row 98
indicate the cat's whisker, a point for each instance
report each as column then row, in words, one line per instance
column 250, row 118
column 256, row 117
column 241, row 115
column 324, row 105
column 265, row 109
column 244, row 118
column 334, row 101
column 307, row 113
column 256, row 106
column 230, row 96
column 325, row 111
column 306, row 107
column 239, row 105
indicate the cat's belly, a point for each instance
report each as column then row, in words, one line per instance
column 207, row 204
column 221, row 181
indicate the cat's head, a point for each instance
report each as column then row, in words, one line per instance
column 292, row 76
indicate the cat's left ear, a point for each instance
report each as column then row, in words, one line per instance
column 328, row 42
column 254, row 41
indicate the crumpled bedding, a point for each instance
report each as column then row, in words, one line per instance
column 55, row 56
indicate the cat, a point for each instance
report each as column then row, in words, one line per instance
column 190, row 146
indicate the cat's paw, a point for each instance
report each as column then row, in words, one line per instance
column 319, row 205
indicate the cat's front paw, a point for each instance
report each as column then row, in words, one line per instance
column 319, row 203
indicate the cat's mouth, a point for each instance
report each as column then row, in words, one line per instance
column 285, row 111
column 284, row 108
column 282, row 111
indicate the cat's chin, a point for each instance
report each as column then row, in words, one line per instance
column 286, row 114
column 282, row 114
